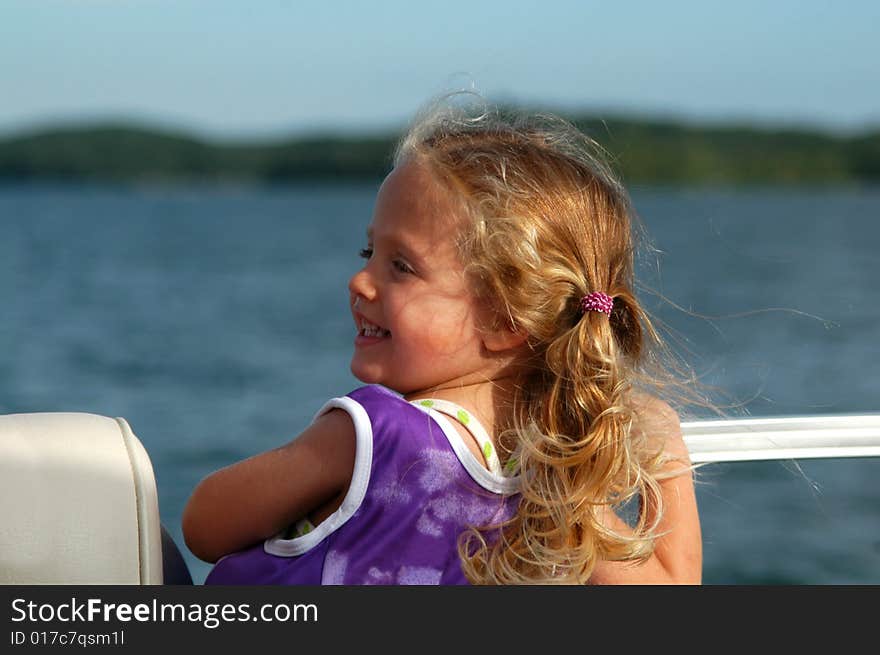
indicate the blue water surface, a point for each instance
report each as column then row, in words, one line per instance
column 215, row 320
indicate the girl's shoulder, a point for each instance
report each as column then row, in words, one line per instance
column 362, row 405
column 375, row 414
column 653, row 410
column 376, row 393
column 660, row 423
column 385, row 405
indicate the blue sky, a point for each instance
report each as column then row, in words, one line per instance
column 266, row 67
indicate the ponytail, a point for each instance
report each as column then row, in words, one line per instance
column 578, row 459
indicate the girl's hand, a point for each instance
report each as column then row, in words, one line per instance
column 254, row 499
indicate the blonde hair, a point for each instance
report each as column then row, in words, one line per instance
column 550, row 223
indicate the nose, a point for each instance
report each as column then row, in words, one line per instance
column 361, row 285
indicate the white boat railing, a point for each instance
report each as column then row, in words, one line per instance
column 800, row 437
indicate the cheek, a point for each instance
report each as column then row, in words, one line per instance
column 440, row 331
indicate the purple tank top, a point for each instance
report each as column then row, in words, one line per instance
column 415, row 488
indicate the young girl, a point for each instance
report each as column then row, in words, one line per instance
column 506, row 433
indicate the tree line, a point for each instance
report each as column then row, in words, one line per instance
column 641, row 151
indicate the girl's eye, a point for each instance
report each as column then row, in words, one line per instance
column 401, row 266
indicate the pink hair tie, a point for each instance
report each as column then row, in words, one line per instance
column 597, row 302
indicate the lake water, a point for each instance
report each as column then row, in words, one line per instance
column 215, row 321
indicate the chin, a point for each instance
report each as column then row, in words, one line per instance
column 364, row 374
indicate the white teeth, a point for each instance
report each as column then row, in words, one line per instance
column 370, row 330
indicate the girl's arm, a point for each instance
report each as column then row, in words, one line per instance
column 678, row 553
column 254, row 499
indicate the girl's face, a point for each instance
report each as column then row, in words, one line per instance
column 416, row 320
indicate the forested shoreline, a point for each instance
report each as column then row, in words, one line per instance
column 642, row 151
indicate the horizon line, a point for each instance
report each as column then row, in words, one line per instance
column 389, row 126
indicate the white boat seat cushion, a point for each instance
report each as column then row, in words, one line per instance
column 78, row 502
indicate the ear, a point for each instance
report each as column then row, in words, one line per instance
column 504, row 338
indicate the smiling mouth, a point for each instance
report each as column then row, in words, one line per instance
column 367, row 329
